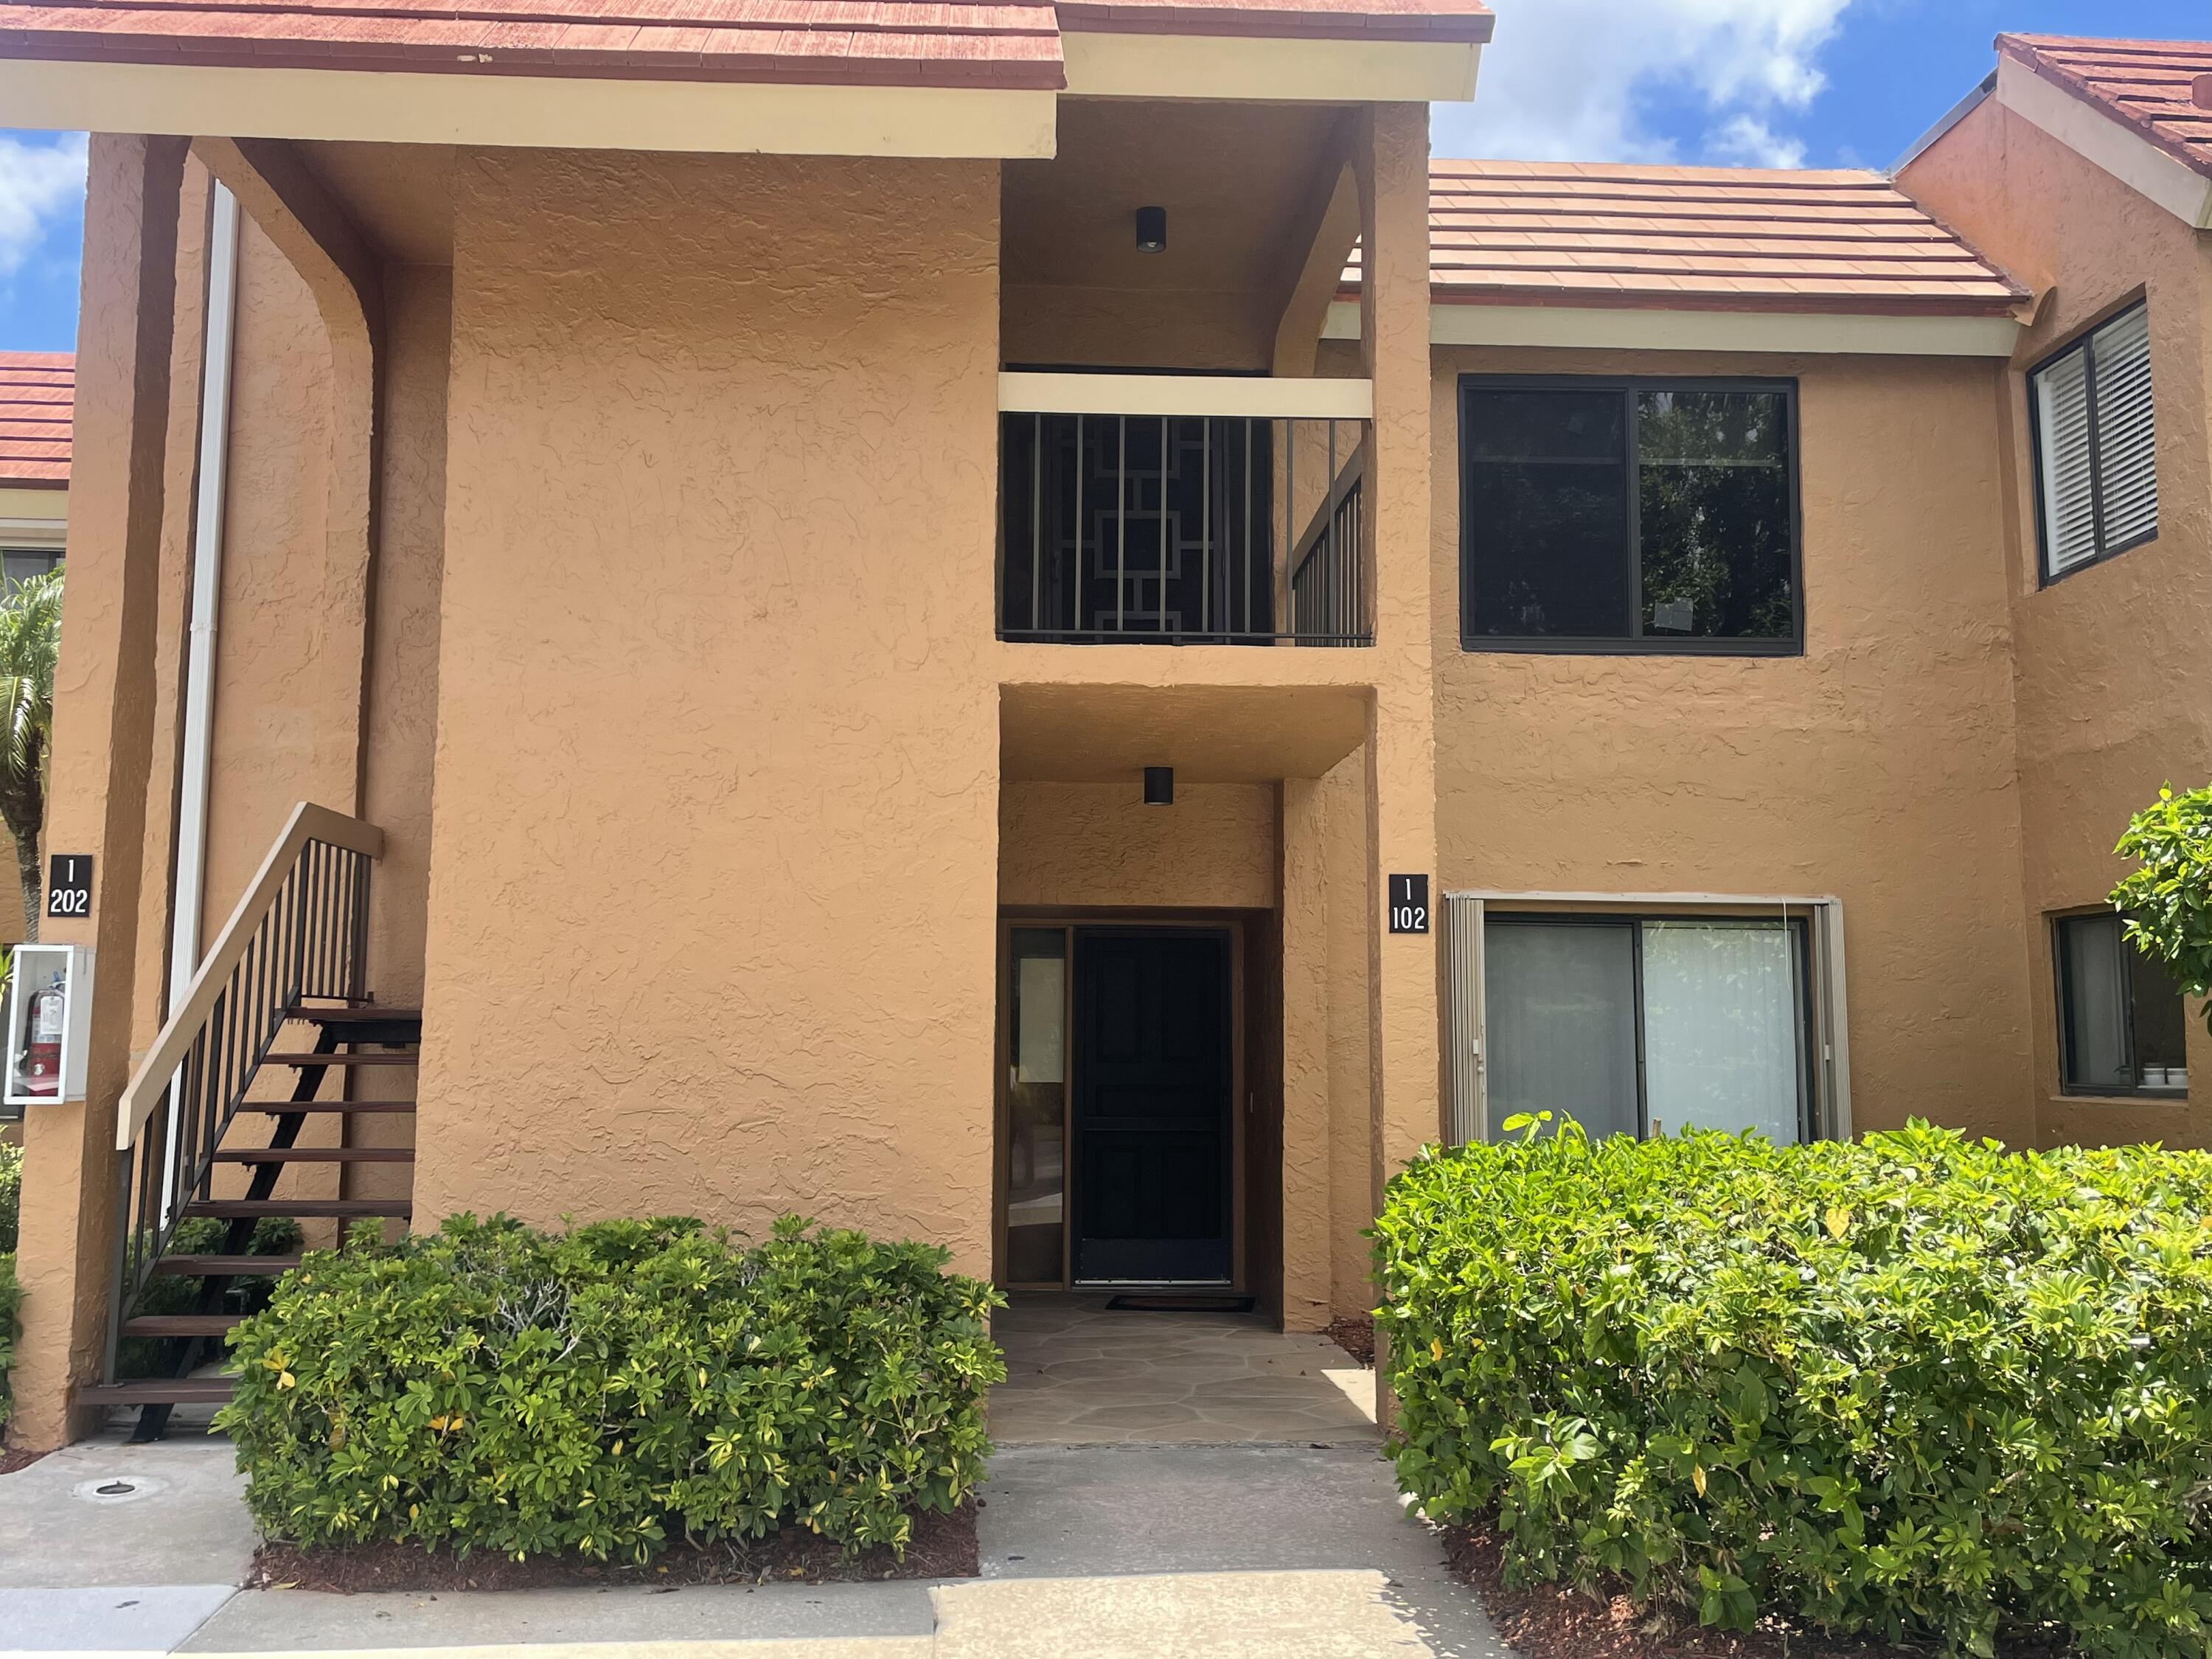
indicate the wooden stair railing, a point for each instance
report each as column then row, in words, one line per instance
column 292, row 954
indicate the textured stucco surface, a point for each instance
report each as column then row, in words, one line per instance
column 1081, row 844
column 2112, row 670
column 1877, row 767
column 714, row 855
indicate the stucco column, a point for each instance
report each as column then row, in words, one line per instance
column 1392, row 161
column 1308, row 1232
column 104, row 710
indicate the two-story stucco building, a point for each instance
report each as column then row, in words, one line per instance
column 1018, row 624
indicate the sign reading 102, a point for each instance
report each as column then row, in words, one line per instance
column 69, row 884
column 1409, row 904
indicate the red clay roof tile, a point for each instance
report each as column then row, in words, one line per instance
column 38, row 394
column 1004, row 43
column 1551, row 233
column 2146, row 85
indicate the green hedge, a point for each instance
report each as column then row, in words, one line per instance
column 1914, row 1387
column 492, row 1386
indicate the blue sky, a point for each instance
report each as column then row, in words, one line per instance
column 1756, row 83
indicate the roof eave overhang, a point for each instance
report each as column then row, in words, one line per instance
column 1786, row 327
column 45, row 85
column 529, row 111
column 2055, row 104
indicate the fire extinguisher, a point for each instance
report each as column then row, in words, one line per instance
column 42, row 1052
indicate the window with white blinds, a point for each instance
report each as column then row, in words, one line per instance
column 2096, row 471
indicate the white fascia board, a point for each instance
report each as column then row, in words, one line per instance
column 529, row 111
column 2133, row 159
column 1638, row 328
column 1228, row 397
column 1116, row 65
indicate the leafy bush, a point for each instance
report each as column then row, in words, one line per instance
column 2169, row 899
column 494, row 1386
column 11, row 1196
column 11, row 1299
column 1914, row 1387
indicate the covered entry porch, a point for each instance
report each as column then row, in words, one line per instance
column 1183, row 1093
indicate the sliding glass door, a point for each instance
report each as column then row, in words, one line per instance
column 1644, row 1024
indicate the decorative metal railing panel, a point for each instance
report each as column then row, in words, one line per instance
column 1180, row 529
column 300, row 935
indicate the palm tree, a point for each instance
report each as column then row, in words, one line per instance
column 30, row 639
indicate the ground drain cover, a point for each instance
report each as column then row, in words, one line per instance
column 117, row 1488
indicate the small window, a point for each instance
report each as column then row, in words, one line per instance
column 1646, row 1025
column 1628, row 515
column 2096, row 473
column 19, row 564
column 2122, row 1029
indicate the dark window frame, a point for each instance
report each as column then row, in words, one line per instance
column 2063, row 1009
column 2080, row 341
column 1800, row 929
column 1637, row 644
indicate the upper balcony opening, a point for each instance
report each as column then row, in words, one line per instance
column 1171, row 472
column 1141, row 509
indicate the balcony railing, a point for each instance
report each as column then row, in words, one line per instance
column 1164, row 509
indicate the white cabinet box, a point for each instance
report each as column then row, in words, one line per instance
column 49, row 1013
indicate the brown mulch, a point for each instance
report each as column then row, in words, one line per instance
column 944, row 1546
column 13, row 1458
column 1558, row 1621
column 1355, row 1335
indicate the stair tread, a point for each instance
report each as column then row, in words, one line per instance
column 369, row 1013
column 225, row 1267
column 243, row 1209
column 316, row 1155
column 157, row 1391
column 214, row 1324
column 280, row 1108
column 384, row 1057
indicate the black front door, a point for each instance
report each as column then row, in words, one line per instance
column 1152, row 1120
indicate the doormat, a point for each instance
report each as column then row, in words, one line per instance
column 1175, row 1302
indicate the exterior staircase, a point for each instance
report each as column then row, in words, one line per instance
column 203, row 1137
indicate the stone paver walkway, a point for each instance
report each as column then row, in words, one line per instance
column 1078, row 1374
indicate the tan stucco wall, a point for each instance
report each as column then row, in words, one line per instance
column 2113, row 674
column 1082, row 844
column 1877, row 767
column 717, row 753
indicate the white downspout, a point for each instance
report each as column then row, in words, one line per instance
column 190, row 887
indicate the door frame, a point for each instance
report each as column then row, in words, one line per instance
column 1069, row 919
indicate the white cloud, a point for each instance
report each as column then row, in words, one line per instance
column 1567, row 80
column 41, row 182
column 1746, row 141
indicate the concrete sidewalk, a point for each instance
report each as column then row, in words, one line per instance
column 1229, row 1551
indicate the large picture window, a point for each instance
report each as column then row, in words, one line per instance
column 2096, row 472
column 1648, row 1025
column 2122, row 1027
column 1637, row 515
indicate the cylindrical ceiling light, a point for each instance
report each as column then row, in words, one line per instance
column 1152, row 230
column 1159, row 786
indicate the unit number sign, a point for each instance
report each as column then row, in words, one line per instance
column 69, row 884
column 1409, row 904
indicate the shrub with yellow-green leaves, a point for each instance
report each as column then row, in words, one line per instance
column 612, row 1389
column 1915, row 1386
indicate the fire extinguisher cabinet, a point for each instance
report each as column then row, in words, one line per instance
column 49, row 1013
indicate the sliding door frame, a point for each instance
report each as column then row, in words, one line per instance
column 1466, row 1069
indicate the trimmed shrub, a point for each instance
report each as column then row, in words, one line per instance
column 493, row 1387
column 11, row 1196
column 11, row 1300
column 1913, row 1387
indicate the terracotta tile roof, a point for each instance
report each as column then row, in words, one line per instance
column 2162, row 90
column 1591, row 233
column 946, row 43
column 38, row 390
column 1359, row 20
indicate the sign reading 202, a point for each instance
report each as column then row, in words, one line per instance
column 69, row 884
